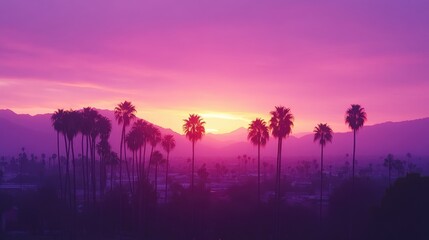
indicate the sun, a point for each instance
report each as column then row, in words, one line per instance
column 220, row 122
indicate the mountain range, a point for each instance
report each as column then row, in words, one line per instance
column 36, row 135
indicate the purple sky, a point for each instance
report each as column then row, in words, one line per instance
column 230, row 61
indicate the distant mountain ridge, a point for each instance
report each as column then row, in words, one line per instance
column 36, row 135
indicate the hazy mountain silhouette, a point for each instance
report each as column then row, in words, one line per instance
column 36, row 134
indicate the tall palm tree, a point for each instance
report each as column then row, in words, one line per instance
column 156, row 159
column 194, row 131
column 154, row 137
column 388, row 162
column 168, row 143
column 281, row 124
column 133, row 145
column 140, row 128
column 58, row 123
column 104, row 128
column 355, row 118
column 72, row 125
column 124, row 114
column 323, row 134
column 258, row 134
column 89, row 116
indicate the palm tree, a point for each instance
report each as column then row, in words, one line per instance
column 355, row 118
column 388, row 162
column 124, row 113
column 140, row 128
column 156, row 159
column 194, row 131
column 112, row 161
column 258, row 134
column 89, row 116
column 168, row 143
column 154, row 137
column 323, row 134
column 104, row 128
column 58, row 123
column 72, row 122
column 281, row 124
column 133, row 145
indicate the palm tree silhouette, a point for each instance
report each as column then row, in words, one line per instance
column 168, row 143
column 89, row 116
column 355, row 118
column 140, row 128
column 124, row 114
column 156, row 159
column 388, row 162
column 323, row 134
column 194, row 131
column 133, row 145
column 281, row 124
column 72, row 121
column 57, row 119
column 258, row 134
column 154, row 137
column 104, row 128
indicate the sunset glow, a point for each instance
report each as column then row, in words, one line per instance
column 230, row 61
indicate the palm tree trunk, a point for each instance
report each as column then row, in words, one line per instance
column 74, row 172
column 127, row 166
column 120, row 155
column 354, row 151
column 259, row 172
column 166, row 176
column 321, row 183
column 111, row 176
column 83, row 169
column 134, row 168
column 278, row 176
column 390, row 169
column 87, row 169
column 193, row 165
column 129, row 177
column 156, row 181
column 150, row 162
column 94, row 179
column 144, row 160
column 59, row 164
column 67, row 186
column 277, row 191
column 139, row 165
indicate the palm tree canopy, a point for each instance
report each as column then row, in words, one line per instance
column 194, row 127
column 141, row 128
column 156, row 157
column 58, row 120
column 322, row 133
column 258, row 132
column 72, row 122
column 281, row 122
column 153, row 135
column 132, row 140
column 125, row 112
column 103, row 126
column 355, row 117
column 89, row 116
column 168, row 142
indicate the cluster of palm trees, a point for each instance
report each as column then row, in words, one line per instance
column 92, row 126
column 136, row 140
column 281, row 124
column 95, row 131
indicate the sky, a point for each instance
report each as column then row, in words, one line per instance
column 228, row 60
